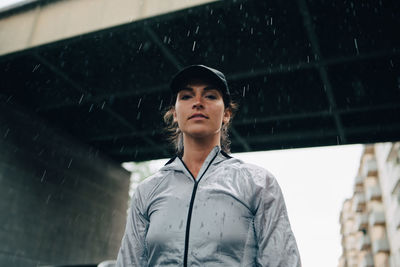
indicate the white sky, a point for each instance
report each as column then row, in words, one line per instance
column 315, row 182
column 4, row 3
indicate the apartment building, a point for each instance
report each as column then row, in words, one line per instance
column 370, row 219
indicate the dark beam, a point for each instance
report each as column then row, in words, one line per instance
column 240, row 139
column 305, row 115
column 321, row 69
column 300, row 136
column 105, row 97
column 304, row 135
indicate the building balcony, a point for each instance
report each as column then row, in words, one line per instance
column 381, row 245
column 397, row 218
column 367, row 261
column 373, row 193
column 358, row 202
column 376, row 218
column 370, row 168
column 359, row 180
column 361, row 221
column 364, row 242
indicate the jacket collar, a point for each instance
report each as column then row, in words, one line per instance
column 216, row 155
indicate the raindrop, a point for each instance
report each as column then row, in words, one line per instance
column 138, row 116
column 272, row 130
column 356, row 45
column 9, row 98
column 308, row 59
column 140, row 100
column 337, row 140
column 197, row 30
column 201, row 225
column 121, row 149
column 251, row 30
column 91, row 107
column 241, row 6
column 194, row 45
column 140, row 47
column 36, row 67
column 80, row 100
column 69, row 164
column 222, row 58
column 180, row 225
column 165, row 39
column 170, row 226
column 391, row 63
column 161, row 103
column 188, row 33
column 102, row 105
column 43, row 175
column 220, row 235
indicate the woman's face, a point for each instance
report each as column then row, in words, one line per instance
column 200, row 111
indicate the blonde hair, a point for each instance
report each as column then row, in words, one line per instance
column 176, row 135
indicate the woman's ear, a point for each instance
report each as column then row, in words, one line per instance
column 174, row 115
column 227, row 115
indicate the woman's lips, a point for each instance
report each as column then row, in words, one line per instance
column 198, row 116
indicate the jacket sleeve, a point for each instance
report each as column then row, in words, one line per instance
column 275, row 240
column 133, row 250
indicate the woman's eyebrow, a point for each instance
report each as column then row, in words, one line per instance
column 211, row 87
column 187, row 89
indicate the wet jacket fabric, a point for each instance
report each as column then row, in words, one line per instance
column 233, row 214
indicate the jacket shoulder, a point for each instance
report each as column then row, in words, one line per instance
column 151, row 183
column 257, row 174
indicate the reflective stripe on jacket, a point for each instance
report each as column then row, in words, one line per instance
column 233, row 214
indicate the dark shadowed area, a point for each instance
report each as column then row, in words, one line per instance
column 306, row 73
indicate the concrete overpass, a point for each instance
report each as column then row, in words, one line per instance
column 83, row 85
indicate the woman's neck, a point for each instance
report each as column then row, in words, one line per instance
column 196, row 151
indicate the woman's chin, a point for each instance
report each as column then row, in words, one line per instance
column 201, row 134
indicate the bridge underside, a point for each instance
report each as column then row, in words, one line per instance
column 305, row 73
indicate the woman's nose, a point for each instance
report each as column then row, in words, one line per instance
column 198, row 103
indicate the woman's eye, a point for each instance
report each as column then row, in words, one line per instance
column 184, row 97
column 211, row 96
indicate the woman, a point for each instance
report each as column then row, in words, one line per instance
column 204, row 208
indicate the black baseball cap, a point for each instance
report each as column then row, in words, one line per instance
column 201, row 72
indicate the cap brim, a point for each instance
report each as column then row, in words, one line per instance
column 196, row 72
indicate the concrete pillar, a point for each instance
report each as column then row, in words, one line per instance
column 61, row 202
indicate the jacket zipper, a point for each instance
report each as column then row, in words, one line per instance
column 196, row 183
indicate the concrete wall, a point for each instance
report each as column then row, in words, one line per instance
column 60, row 202
column 68, row 18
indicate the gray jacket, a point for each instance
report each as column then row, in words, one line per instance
column 233, row 214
